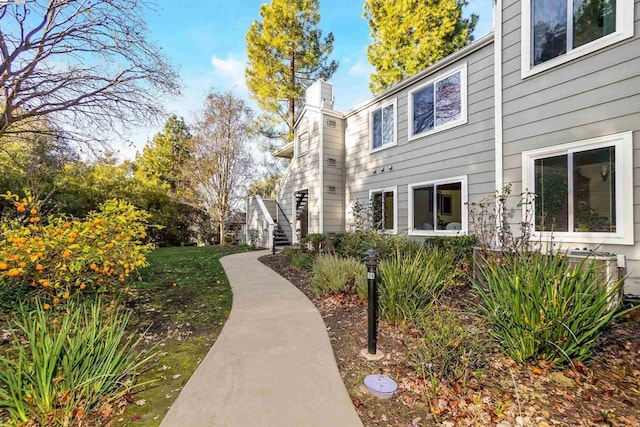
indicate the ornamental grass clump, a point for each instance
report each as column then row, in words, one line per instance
column 299, row 257
column 337, row 275
column 409, row 283
column 61, row 365
column 451, row 344
column 541, row 307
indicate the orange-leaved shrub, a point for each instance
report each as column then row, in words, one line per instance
column 62, row 255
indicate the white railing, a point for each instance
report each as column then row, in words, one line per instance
column 268, row 224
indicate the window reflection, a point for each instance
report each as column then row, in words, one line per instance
column 549, row 29
column 592, row 180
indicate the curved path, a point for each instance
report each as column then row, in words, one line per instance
column 272, row 364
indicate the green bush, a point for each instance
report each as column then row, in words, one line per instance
column 410, row 283
column 254, row 238
column 230, row 238
column 460, row 248
column 71, row 363
column 289, row 251
column 334, row 275
column 316, row 240
column 299, row 257
column 451, row 344
column 543, row 308
column 303, row 260
column 355, row 244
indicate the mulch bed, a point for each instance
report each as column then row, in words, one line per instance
column 605, row 392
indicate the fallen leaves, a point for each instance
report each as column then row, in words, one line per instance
column 106, row 413
column 605, row 391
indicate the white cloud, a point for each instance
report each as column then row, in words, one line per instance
column 360, row 68
column 230, row 72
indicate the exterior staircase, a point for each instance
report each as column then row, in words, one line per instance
column 280, row 238
column 302, row 199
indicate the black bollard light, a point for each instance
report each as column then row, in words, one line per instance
column 372, row 305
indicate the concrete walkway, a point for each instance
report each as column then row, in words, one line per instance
column 272, row 364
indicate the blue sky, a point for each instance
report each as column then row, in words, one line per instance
column 205, row 41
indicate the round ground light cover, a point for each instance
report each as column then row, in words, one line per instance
column 380, row 385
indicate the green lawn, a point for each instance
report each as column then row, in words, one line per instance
column 184, row 299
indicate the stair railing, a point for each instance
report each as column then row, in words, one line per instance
column 270, row 224
column 279, row 211
column 300, row 199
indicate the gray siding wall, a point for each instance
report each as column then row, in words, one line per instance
column 304, row 172
column 271, row 206
column 467, row 149
column 333, row 151
column 594, row 95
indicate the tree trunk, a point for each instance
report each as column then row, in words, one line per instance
column 222, row 240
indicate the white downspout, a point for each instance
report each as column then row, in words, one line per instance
column 497, row 86
column 321, row 189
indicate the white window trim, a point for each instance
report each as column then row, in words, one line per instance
column 623, row 143
column 624, row 30
column 462, row 69
column 298, row 146
column 393, row 102
column 463, row 180
column 393, row 230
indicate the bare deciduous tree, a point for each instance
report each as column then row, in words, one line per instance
column 223, row 165
column 85, row 65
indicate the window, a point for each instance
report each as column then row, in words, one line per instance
column 383, row 126
column 384, row 209
column 439, row 104
column 579, row 190
column 303, row 143
column 556, row 31
column 438, row 207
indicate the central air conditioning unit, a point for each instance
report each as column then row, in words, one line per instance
column 608, row 267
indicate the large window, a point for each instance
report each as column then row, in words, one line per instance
column 383, row 126
column 438, row 104
column 384, row 209
column 438, row 207
column 579, row 189
column 555, row 31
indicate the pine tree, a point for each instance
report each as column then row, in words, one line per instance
column 166, row 156
column 410, row 35
column 286, row 54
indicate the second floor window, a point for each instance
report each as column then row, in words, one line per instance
column 556, row 31
column 437, row 104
